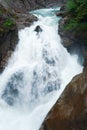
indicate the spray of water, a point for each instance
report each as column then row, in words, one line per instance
column 36, row 74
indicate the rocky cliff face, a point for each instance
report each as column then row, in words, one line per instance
column 27, row 5
column 8, row 36
column 75, row 42
column 10, row 23
column 23, row 6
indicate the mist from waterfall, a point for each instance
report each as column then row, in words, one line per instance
column 36, row 74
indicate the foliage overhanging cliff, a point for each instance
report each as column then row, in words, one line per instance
column 73, row 26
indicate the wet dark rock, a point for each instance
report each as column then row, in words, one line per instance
column 38, row 29
column 60, row 13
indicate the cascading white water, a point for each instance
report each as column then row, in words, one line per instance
column 36, row 74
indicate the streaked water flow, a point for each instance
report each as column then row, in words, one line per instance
column 36, row 74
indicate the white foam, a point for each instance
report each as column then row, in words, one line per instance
column 41, row 59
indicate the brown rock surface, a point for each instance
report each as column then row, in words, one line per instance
column 24, row 6
column 70, row 111
column 8, row 36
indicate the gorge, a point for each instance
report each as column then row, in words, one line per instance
column 37, row 73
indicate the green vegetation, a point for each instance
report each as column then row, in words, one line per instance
column 6, row 20
column 71, row 5
column 77, row 14
column 1, row 11
column 8, row 23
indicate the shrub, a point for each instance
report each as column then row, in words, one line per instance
column 9, row 23
column 71, row 5
column 71, row 24
column 77, row 10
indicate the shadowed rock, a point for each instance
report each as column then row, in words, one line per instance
column 38, row 29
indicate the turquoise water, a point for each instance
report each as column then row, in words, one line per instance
column 46, row 12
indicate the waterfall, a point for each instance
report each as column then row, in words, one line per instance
column 36, row 74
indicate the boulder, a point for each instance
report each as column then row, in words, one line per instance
column 38, row 29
